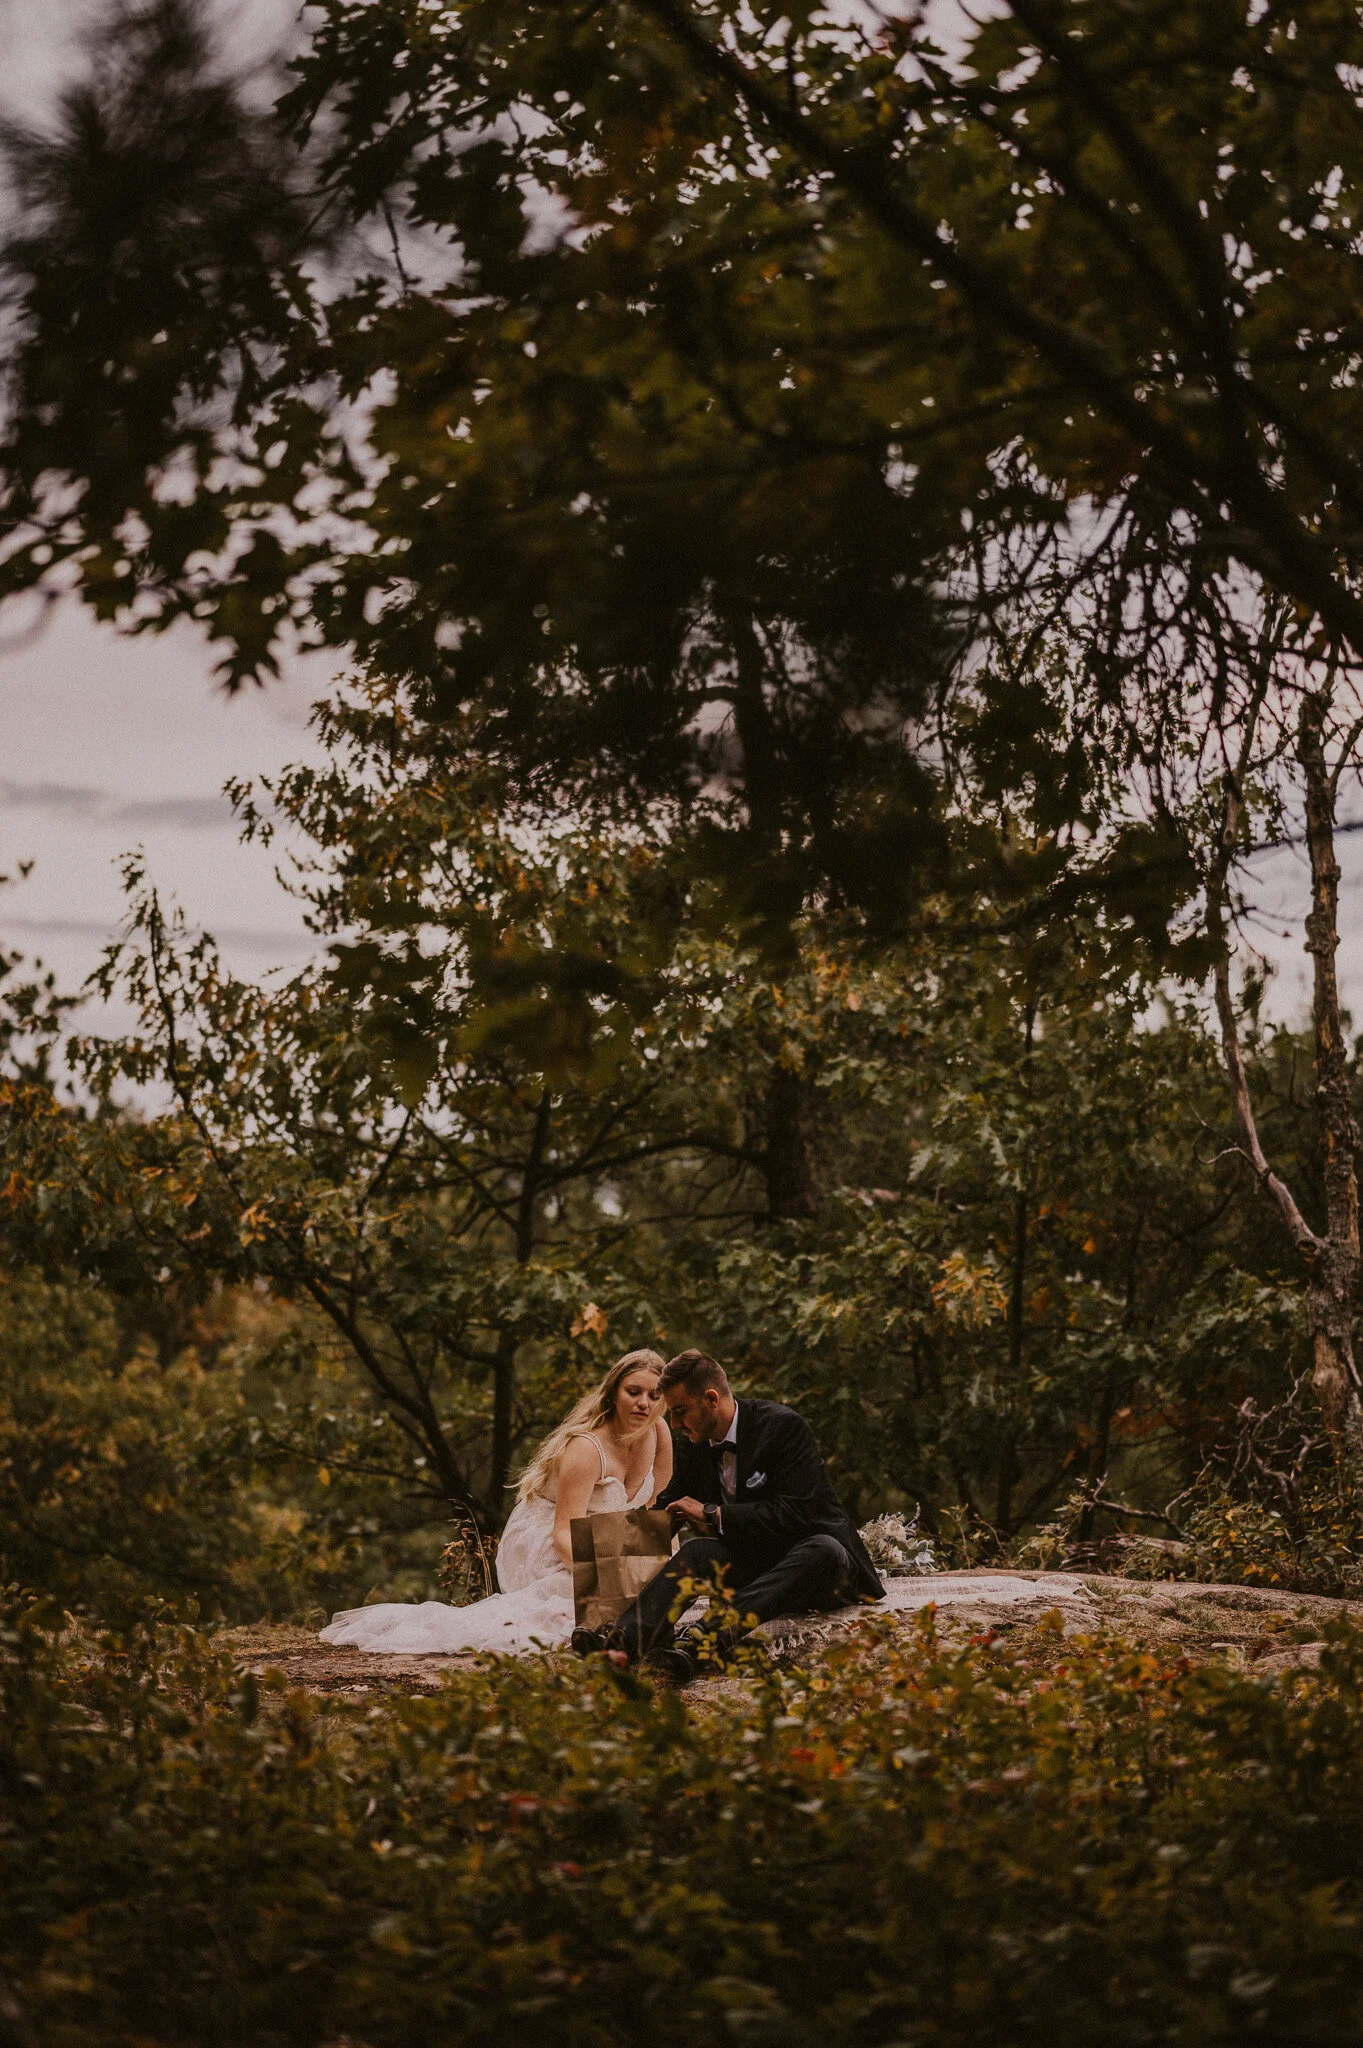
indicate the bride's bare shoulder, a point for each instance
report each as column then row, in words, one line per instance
column 580, row 1457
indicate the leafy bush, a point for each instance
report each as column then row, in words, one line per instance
column 904, row 1844
column 1269, row 1508
column 247, row 1489
column 1244, row 1542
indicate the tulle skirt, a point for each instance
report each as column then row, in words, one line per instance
column 533, row 1611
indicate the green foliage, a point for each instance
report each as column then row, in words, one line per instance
column 726, row 382
column 684, row 385
column 950, row 1197
column 1268, row 1507
column 175, row 206
column 230, row 1477
column 1289, row 1523
column 791, row 299
column 903, row 1843
column 1017, row 1286
column 1239, row 1541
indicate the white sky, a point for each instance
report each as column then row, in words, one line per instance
column 107, row 743
column 112, row 743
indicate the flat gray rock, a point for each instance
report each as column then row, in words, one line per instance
column 981, row 1596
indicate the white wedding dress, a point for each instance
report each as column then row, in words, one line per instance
column 533, row 1611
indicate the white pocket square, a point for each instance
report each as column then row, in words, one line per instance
column 756, row 1479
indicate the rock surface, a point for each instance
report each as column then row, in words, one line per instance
column 1257, row 1627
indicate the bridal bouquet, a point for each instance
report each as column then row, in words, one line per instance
column 896, row 1549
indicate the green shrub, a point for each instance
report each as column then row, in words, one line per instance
column 254, row 1487
column 1269, row 1507
column 1243, row 1542
column 904, row 1845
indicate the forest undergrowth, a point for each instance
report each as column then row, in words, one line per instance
column 905, row 1842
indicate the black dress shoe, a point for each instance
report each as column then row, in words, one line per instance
column 589, row 1642
column 676, row 1664
column 709, row 1654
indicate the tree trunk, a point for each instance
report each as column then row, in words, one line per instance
column 1331, row 1258
column 790, row 1176
column 1017, row 1298
column 1003, row 1495
column 1107, row 1403
column 756, row 735
column 1017, row 1291
column 1098, row 1459
column 790, row 1180
column 1334, row 1270
column 508, row 1343
column 503, row 1404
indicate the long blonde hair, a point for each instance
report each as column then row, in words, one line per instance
column 595, row 1407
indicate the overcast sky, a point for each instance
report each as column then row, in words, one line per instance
column 112, row 743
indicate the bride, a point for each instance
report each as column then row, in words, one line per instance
column 613, row 1450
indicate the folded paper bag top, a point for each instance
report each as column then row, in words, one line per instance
column 614, row 1557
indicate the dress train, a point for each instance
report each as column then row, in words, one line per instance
column 533, row 1611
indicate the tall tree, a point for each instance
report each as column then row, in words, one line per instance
column 470, row 1148
column 699, row 314
column 1222, row 743
column 1318, row 740
column 720, row 374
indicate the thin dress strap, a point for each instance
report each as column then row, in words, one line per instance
column 605, row 1475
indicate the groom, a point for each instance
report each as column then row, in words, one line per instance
column 751, row 1485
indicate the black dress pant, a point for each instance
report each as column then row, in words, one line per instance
column 815, row 1573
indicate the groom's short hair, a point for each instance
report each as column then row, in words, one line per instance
column 695, row 1370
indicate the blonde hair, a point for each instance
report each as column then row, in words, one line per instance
column 595, row 1407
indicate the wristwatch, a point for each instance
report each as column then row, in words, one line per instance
column 713, row 1526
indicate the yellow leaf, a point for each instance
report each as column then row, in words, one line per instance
column 967, row 1294
column 590, row 1318
column 323, row 1475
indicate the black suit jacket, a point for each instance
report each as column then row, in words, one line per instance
column 783, row 1492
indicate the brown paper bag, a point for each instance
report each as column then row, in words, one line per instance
column 614, row 1557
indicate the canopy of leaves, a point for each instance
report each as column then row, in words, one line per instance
column 959, row 1201
column 678, row 381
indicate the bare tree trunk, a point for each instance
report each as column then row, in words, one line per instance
column 1107, row 1402
column 1331, row 1258
column 1017, row 1289
column 1008, row 1459
column 504, row 1360
column 1334, row 1272
column 1003, row 1493
column 790, row 1176
column 503, row 1404
column 1100, row 1454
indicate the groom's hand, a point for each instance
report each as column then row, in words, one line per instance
column 688, row 1510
